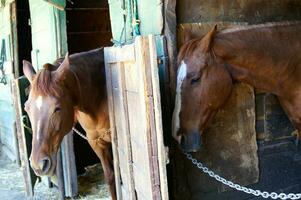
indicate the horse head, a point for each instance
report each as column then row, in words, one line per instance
column 50, row 109
column 203, row 86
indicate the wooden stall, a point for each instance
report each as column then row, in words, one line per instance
column 141, row 80
column 269, row 146
column 135, row 117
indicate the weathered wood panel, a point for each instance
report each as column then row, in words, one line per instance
column 252, row 11
column 135, row 114
column 271, row 121
column 111, row 75
column 20, row 91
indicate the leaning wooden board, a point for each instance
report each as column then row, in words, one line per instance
column 135, row 117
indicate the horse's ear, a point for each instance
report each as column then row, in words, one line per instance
column 206, row 42
column 63, row 68
column 28, row 70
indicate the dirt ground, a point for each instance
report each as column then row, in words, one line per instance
column 91, row 184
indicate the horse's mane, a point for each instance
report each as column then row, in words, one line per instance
column 258, row 26
column 188, row 48
column 44, row 83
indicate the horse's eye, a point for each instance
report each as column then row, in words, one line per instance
column 195, row 80
column 57, row 109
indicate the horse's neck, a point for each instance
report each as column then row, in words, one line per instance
column 262, row 60
column 88, row 84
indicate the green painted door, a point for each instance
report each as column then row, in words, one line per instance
column 7, row 114
column 48, row 27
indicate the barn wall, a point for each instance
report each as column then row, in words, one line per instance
column 7, row 114
column 252, row 11
column 274, row 132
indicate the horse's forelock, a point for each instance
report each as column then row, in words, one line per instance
column 46, row 84
column 187, row 50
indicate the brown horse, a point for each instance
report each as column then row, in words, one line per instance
column 73, row 89
column 266, row 56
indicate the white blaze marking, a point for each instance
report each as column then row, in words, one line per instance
column 38, row 129
column 182, row 72
column 39, row 102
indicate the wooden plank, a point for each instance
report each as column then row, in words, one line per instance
column 26, row 170
column 118, row 113
column 141, row 51
column 152, row 139
column 151, row 121
column 59, row 176
column 158, row 119
column 121, row 54
column 123, row 131
column 135, row 113
column 107, row 54
column 69, row 166
column 131, row 77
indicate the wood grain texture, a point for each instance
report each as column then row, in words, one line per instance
column 134, row 113
column 112, row 125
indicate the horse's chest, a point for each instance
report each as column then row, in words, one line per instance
column 95, row 128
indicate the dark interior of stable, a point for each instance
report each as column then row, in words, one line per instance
column 23, row 33
column 279, row 158
column 88, row 27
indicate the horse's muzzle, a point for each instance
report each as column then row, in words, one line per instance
column 191, row 142
column 43, row 167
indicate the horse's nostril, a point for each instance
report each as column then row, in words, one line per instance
column 45, row 165
column 191, row 142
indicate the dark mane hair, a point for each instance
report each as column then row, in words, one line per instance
column 44, row 83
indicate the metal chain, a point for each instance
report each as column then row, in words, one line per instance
column 86, row 138
column 238, row 187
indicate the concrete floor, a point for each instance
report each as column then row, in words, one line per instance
column 91, row 184
column 12, row 185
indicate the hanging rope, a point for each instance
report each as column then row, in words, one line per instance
column 25, row 123
column 2, row 60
